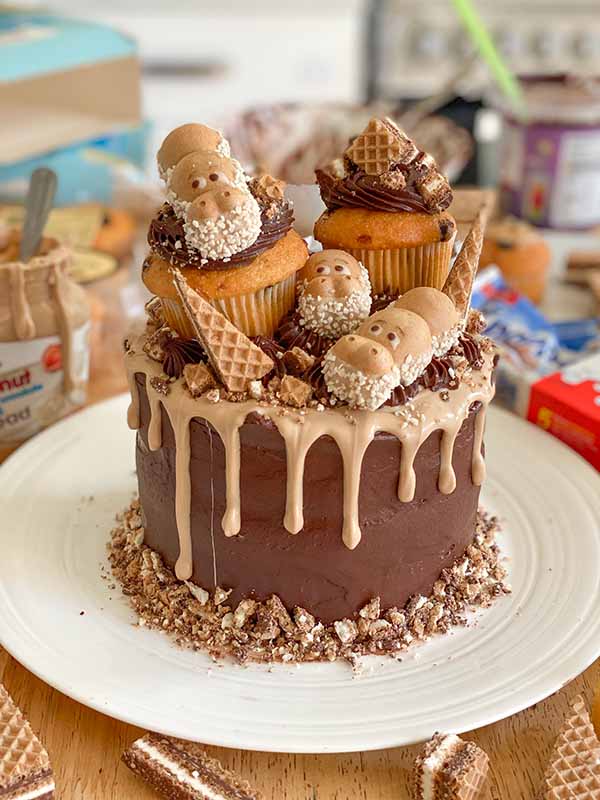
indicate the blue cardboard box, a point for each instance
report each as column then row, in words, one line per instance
column 70, row 100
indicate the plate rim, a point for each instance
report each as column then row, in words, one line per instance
column 572, row 665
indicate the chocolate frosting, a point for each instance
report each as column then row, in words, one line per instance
column 291, row 333
column 178, row 353
column 359, row 190
column 166, row 237
column 408, row 543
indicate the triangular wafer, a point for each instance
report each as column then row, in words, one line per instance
column 235, row 359
column 380, row 145
column 25, row 769
column 459, row 283
column 574, row 768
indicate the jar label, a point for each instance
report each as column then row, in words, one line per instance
column 550, row 174
column 32, row 387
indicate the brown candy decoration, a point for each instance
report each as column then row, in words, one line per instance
column 379, row 146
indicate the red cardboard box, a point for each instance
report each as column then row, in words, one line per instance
column 567, row 405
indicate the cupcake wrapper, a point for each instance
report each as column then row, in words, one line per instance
column 258, row 313
column 396, row 271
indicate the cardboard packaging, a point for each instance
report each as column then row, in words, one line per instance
column 69, row 99
column 567, row 405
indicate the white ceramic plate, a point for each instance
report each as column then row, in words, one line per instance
column 58, row 498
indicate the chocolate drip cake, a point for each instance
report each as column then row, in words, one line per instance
column 311, row 490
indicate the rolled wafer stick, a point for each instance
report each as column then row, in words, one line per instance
column 459, row 283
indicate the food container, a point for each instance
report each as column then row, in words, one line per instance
column 550, row 158
column 44, row 340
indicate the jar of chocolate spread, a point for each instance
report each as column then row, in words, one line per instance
column 44, row 340
column 550, row 155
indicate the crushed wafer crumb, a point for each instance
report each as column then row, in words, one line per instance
column 265, row 631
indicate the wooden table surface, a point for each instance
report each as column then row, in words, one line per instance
column 85, row 746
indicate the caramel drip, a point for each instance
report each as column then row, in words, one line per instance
column 447, row 477
column 183, row 495
column 353, row 432
column 19, row 304
column 133, row 411
column 478, row 462
column 59, row 281
column 155, row 425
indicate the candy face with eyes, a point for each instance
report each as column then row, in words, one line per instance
column 187, row 139
column 335, row 286
column 202, row 172
column 211, row 205
column 402, row 332
column 334, row 293
column 330, row 263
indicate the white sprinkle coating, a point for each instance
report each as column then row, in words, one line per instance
column 441, row 344
column 413, row 367
column 332, row 317
column 352, row 386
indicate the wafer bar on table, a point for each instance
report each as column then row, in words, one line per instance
column 448, row 768
column 181, row 770
column 25, row 771
column 574, row 769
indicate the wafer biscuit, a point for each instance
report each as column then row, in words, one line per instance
column 235, row 359
column 25, row 770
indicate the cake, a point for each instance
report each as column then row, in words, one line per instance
column 386, row 203
column 311, row 493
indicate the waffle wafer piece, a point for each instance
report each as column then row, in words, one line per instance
column 574, row 768
column 449, row 768
column 379, row 146
column 459, row 283
column 182, row 770
column 235, row 359
column 25, row 771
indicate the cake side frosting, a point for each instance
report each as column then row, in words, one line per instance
column 352, row 431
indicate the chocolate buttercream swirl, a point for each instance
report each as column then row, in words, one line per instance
column 167, row 238
column 275, row 352
column 178, row 353
column 440, row 372
column 292, row 334
column 374, row 192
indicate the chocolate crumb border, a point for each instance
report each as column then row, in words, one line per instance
column 265, row 631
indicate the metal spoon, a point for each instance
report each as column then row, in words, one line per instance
column 40, row 197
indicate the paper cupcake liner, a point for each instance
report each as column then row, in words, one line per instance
column 398, row 270
column 255, row 314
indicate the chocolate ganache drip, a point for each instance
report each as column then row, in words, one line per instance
column 166, row 236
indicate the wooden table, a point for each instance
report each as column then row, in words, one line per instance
column 85, row 746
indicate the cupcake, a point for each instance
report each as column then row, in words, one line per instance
column 520, row 252
column 230, row 236
column 387, row 205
